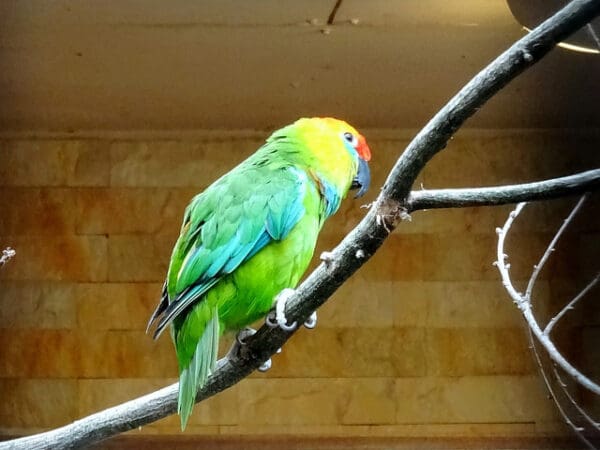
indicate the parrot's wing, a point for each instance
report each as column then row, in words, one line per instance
column 225, row 226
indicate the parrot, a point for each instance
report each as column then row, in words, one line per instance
column 249, row 236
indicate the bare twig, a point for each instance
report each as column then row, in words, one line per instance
column 550, row 249
column 524, row 302
column 568, row 395
column 569, row 306
column 549, row 385
column 500, row 195
column 525, row 306
column 364, row 240
column 7, row 254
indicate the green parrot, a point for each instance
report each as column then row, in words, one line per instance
column 250, row 235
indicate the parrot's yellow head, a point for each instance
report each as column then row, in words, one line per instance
column 338, row 150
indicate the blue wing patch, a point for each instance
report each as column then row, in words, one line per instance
column 211, row 254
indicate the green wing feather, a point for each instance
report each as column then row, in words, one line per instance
column 223, row 227
column 192, row 377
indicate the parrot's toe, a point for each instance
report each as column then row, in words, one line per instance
column 311, row 322
column 265, row 366
column 279, row 319
column 244, row 334
column 239, row 342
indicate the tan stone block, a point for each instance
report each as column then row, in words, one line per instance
column 37, row 211
column 369, row 401
column 39, row 353
column 53, row 163
column 98, row 394
column 508, row 158
column 485, row 399
column 409, row 350
column 366, row 352
column 132, row 210
column 173, row 428
column 450, row 257
column 43, row 403
column 470, row 256
column 76, row 258
column 142, row 258
column 458, row 304
column 290, row 401
column 25, row 304
column 126, row 354
column 343, row 352
column 176, row 163
column 411, row 303
column 409, row 435
column 116, row 306
column 478, row 351
column 359, row 303
column 399, row 258
column 482, row 220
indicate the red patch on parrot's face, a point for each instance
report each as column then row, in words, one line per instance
column 363, row 149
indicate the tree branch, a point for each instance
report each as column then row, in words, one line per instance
column 501, row 195
column 356, row 248
column 523, row 301
column 7, row 254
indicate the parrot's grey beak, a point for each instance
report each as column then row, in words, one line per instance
column 362, row 180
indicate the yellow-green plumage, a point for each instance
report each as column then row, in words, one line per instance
column 249, row 236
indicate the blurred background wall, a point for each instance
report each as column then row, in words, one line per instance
column 113, row 116
column 422, row 341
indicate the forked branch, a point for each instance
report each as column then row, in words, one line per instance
column 356, row 248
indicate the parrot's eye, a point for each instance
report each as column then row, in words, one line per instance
column 350, row 138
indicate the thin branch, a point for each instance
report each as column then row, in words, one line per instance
column 333, row 12
column 578, row 431
column 7, row 254
column 590, row 420
column 525, row 306
column 501, row 195
column 551, row 247
column 356, row 248
column 571, row 305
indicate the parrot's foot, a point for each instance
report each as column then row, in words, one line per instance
column 280, row 320
column 311, row 322
column 244, row 334
column 239, row 342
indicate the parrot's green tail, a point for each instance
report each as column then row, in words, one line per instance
column 194, row 376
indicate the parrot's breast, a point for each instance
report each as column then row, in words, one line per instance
column 248, row 294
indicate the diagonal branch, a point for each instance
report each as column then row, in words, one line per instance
column 7, row 254
column 353, row 251
column 501, row 195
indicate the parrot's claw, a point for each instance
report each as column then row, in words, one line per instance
column 239, row 342
column 244, row 334
column 280, row 320
column 265, row 366
column 311, row 322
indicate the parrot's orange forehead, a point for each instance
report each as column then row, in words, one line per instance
column 340, row 127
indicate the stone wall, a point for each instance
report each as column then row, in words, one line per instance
column 422, row 341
